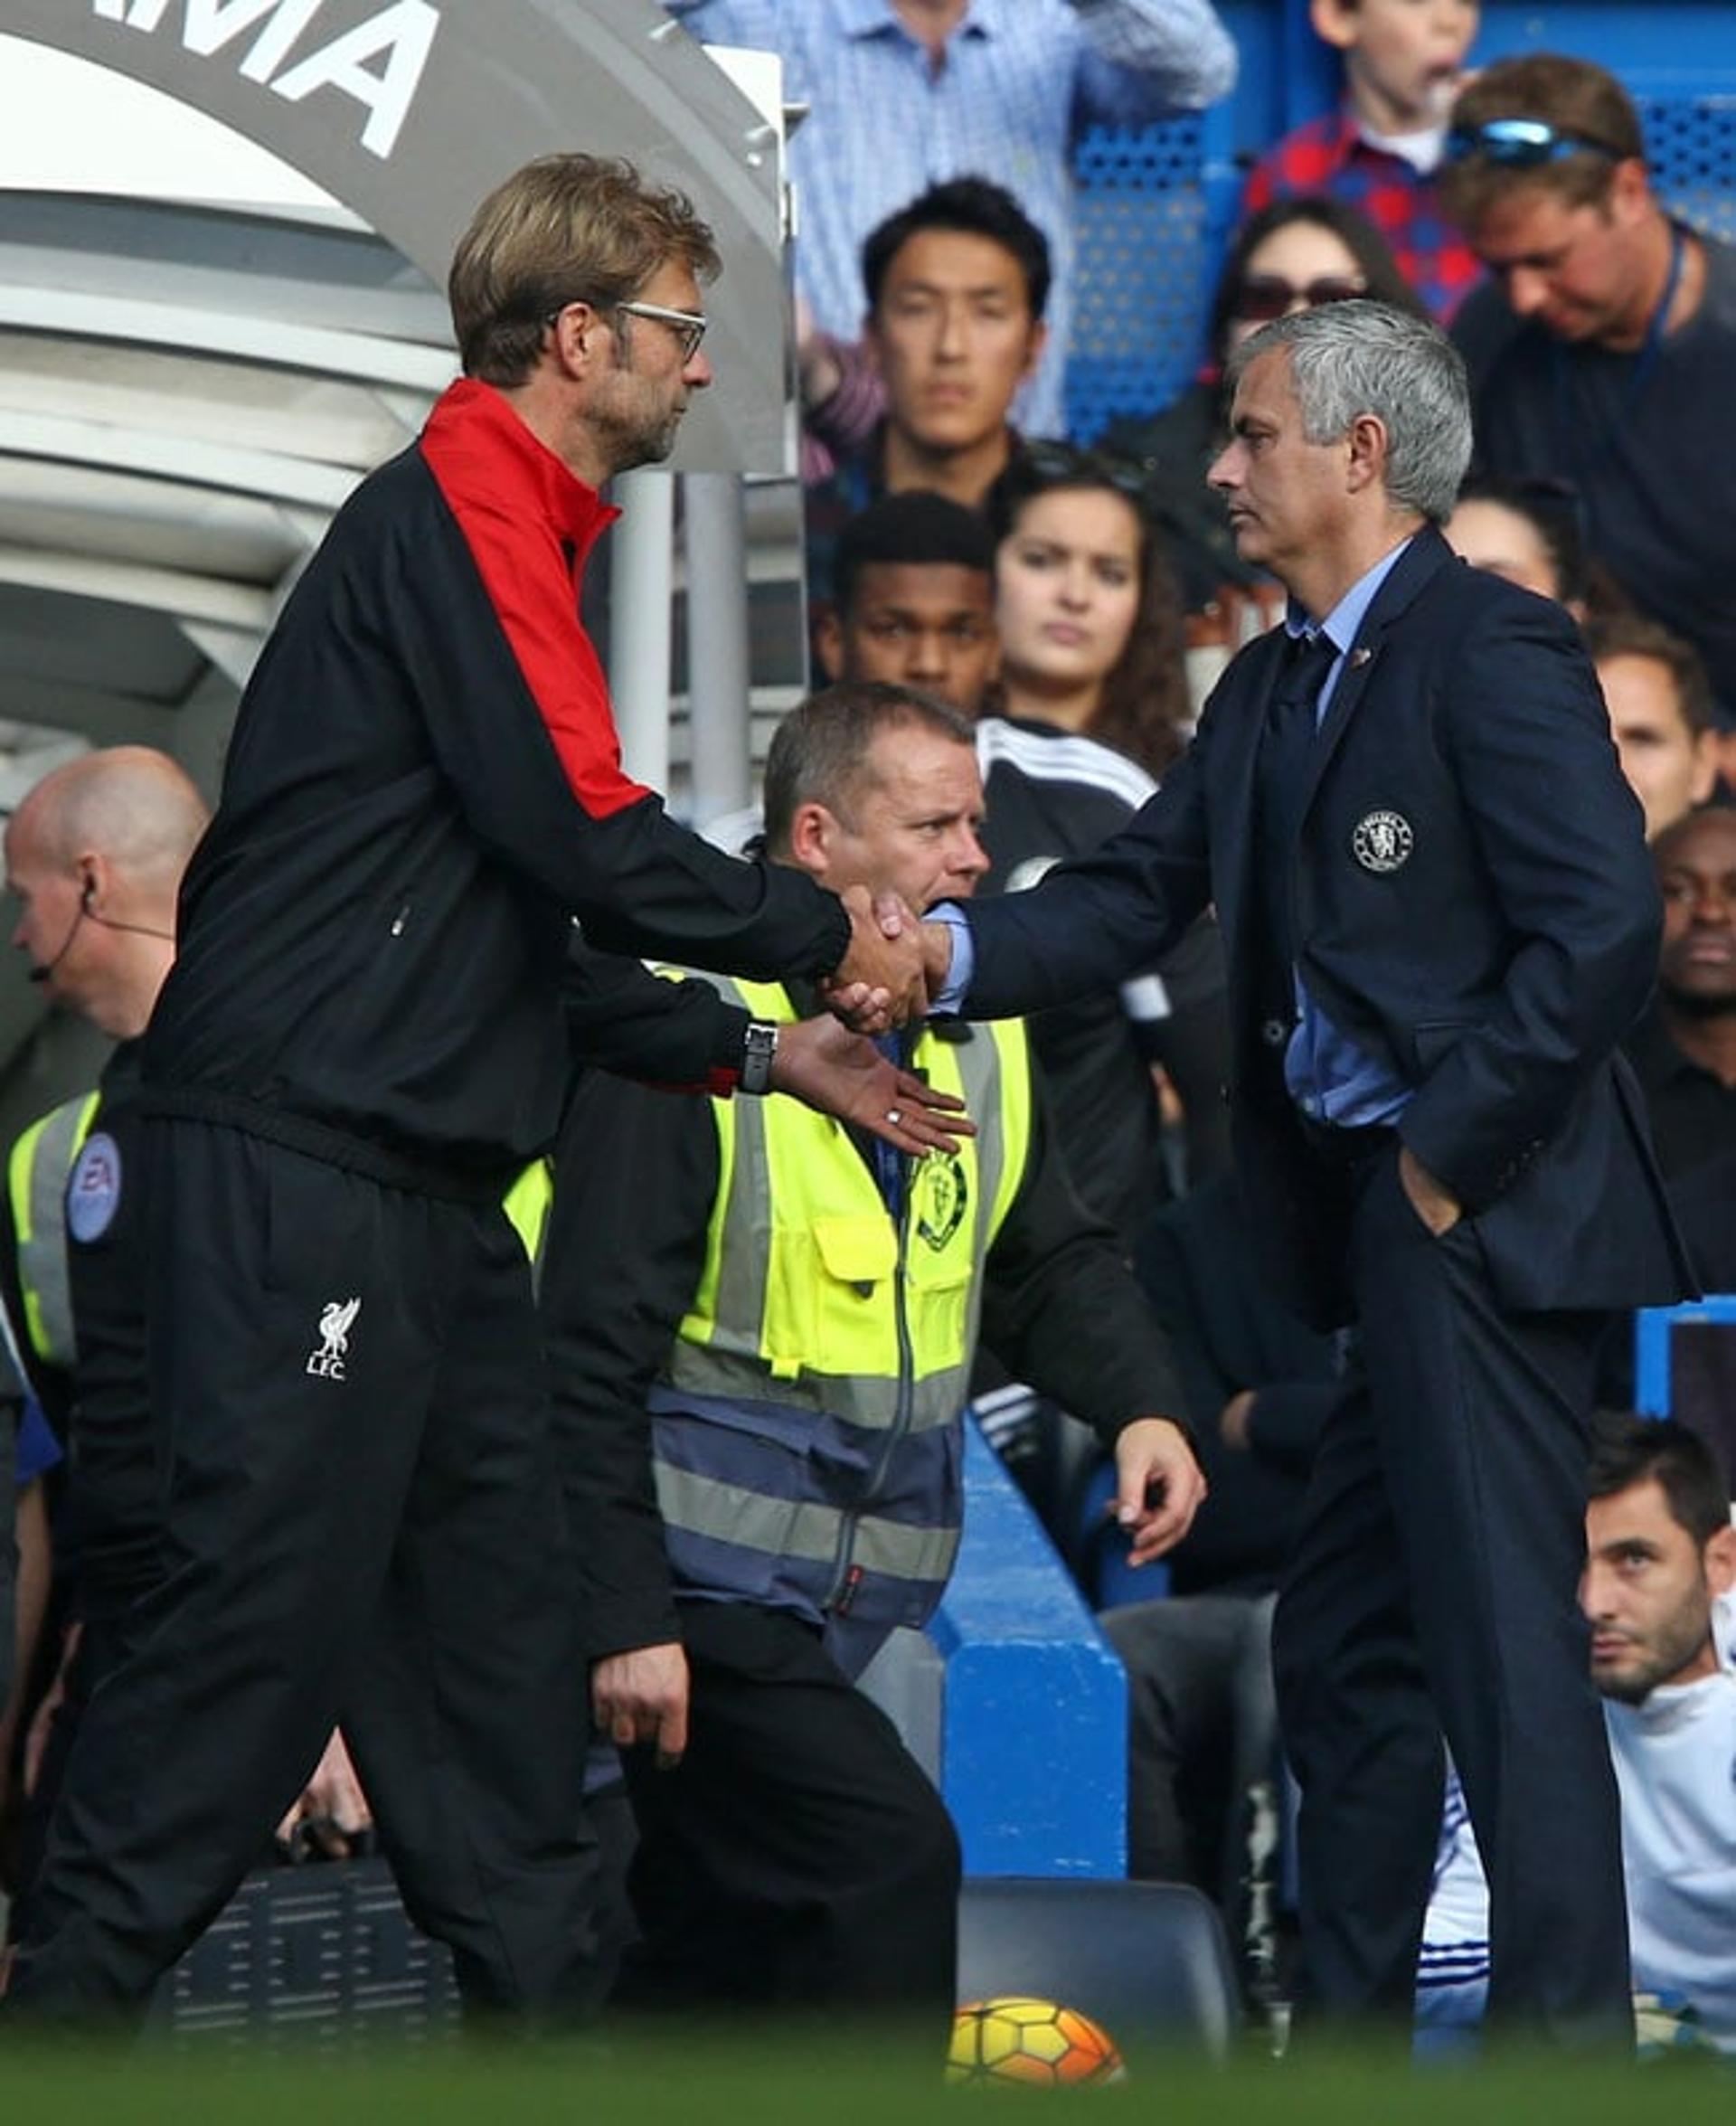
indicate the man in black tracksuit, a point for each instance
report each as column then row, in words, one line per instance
column 360, row 1044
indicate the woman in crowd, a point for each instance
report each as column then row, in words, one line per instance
column 1290, row 256
column 1090, row 618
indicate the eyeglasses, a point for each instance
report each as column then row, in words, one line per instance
column 1064, row 465
column 1523, row 144
column 688, row 325
column 1265, row 295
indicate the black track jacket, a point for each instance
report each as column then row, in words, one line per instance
column 424, row 785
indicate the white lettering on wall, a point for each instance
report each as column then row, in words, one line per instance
column 379, row 63
column 403, row 35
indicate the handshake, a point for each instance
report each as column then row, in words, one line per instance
column 895, row 967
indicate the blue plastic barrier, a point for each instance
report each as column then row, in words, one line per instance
column 1034, row 1718
column 1653, row 1328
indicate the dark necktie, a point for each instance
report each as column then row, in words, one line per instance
column 888, row 1160
column 1286, row 744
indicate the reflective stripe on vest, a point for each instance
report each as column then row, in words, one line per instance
column 819, row 1377
column 37, row 1172
column 805, row 1529
column 527, row 1203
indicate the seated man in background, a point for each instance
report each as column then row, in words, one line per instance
column 1660, row 1549
column 759, row 1335
column 1683, row 1054
column 1684, row 1049
column 1660, row 715
column 1660, row 1553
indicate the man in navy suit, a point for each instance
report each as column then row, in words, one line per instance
column 1440, row 919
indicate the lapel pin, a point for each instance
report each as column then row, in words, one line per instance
column 1359, row 658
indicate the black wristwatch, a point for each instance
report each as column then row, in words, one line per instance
column 759, row 1047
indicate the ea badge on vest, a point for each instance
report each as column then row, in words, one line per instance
column 93, row 1191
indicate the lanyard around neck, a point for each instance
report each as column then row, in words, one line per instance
column 1651, row 349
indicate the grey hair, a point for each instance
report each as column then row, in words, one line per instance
column 1357, row 357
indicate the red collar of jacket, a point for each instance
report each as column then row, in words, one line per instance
column 474, row 427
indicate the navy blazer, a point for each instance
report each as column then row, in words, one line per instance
column 1474, row 902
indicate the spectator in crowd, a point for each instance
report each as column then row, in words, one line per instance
column 956, row 284
column 1600, row 353
column 913, row 600
column 1660, row 715
column 1660, row 1549
column 1523, row 529
column 1684, row 1049
column 1660, row 1553
column 914, row 607
column 907, row 93
column 95, row 855
column 360, row 1041
column 1447, row 1493
column 1202, row 1718
column 762, row 1332
column 1403, row 62
column 1289, row 256
column 1683, row 1052
column 1091, row 621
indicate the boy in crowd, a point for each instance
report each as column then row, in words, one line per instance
column 1380, row 149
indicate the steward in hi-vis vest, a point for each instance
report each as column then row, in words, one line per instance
column 852, row 1319
column 760, row 1327
column 761, row 1335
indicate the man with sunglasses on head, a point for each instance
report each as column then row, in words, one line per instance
column 1601, row 351
column 361, row 1043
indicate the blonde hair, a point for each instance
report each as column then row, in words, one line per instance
column 564, row 229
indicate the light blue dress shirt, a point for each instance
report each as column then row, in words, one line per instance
column 1021, row 81
column 1329, row 1075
